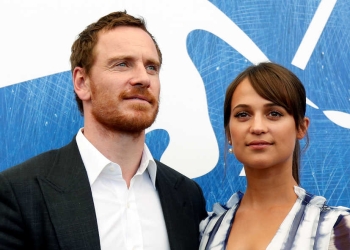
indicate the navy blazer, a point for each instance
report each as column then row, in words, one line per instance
column 46, row 203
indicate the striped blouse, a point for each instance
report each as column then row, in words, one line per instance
column 310, row 224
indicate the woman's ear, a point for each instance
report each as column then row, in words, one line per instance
column 303, row 128
column 81, row 84
column 228, row 136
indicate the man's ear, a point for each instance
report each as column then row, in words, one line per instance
column 81, row 84
column 303, row 128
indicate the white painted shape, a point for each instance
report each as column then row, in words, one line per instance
column 313, row 33
column 310, row 103
column 222, row 26
column 342, row 119
column 37, row 35
column 242, row 173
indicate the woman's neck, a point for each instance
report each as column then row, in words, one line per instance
column 269, row 189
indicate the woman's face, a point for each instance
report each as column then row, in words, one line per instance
column 262, row 133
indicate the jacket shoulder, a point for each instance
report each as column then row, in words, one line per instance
column 37, row 165
column 34, row 165
column 172, row 175
column 180, row 182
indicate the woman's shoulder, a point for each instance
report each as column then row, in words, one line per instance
column 319, row 202
column 219, row 211
column 332, row 219
column 218, row 222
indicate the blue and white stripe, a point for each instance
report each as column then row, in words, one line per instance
column 310, row 224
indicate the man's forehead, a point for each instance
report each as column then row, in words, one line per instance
column 123, row 32
column 123, row 40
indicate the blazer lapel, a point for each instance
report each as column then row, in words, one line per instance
column 67, row 193
column 174, row 207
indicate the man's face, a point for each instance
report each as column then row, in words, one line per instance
column 124, row 80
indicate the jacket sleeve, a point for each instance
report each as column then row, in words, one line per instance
column 12, row 235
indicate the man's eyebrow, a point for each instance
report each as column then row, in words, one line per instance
column 118, row 58
column 154, row 62
column 128, row 58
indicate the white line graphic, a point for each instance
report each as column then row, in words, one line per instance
column 313, row 33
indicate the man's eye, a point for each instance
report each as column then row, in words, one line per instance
column 121, row 64
column 152, row 68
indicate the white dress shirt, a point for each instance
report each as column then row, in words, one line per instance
column 128, row 219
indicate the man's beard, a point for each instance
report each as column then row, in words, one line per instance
column 138, row 117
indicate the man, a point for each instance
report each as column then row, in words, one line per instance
column 104, row 190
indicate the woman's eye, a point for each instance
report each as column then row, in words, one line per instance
column 275, row 114
column 241, row 115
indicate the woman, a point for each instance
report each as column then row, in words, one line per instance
column 264, row 119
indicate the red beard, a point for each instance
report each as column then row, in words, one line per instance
column 139, row 116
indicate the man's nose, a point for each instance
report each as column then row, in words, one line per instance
column 140, row 77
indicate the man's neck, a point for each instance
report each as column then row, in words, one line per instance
column 122, row 148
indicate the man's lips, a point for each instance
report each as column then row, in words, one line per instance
column 138, row 97
column 142, row 95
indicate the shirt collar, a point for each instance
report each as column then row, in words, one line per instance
column 95, row 162
column 148, row 163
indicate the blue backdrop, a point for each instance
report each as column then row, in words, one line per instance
column 41, row 114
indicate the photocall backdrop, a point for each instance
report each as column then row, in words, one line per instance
column 205, row 44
